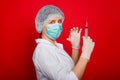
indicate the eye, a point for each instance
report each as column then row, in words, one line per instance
column 52, row 22
column 59, row 21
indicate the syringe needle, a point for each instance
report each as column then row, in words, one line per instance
column 86, row 29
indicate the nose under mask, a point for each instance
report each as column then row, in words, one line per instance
column 54, row 30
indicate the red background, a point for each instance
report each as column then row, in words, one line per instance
column 17, row 36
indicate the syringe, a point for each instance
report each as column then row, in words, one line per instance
column 86, row 29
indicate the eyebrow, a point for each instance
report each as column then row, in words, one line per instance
column 60, row 19
column 55, row 20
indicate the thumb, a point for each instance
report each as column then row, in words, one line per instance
column 83, row 37
column 80, row 31
column 68, row 39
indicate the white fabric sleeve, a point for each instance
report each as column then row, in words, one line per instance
column 52, row 68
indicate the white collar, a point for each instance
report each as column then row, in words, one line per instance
column 48, row 43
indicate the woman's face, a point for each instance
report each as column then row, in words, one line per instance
column 52, row 21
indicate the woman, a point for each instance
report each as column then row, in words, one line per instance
column 50, row 59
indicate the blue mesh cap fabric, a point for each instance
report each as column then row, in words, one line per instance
column 43, row 14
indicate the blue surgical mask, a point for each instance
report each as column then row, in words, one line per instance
column 54, row 30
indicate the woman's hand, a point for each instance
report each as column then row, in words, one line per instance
column 74, row 37
column 88, row 46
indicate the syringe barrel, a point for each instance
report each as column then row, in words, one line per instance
column 86, row 31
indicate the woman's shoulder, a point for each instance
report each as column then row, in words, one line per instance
column 43, row 47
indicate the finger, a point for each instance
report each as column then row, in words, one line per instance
column 68, row 39
column 93, row 44
column 74, row 29
column 88, row 37
column 77, row 29
column 71, row 30
column 83, row 38
column 80, row 30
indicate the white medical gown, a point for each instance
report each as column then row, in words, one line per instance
column 51, row 62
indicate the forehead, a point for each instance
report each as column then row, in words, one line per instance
column 55, row 18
